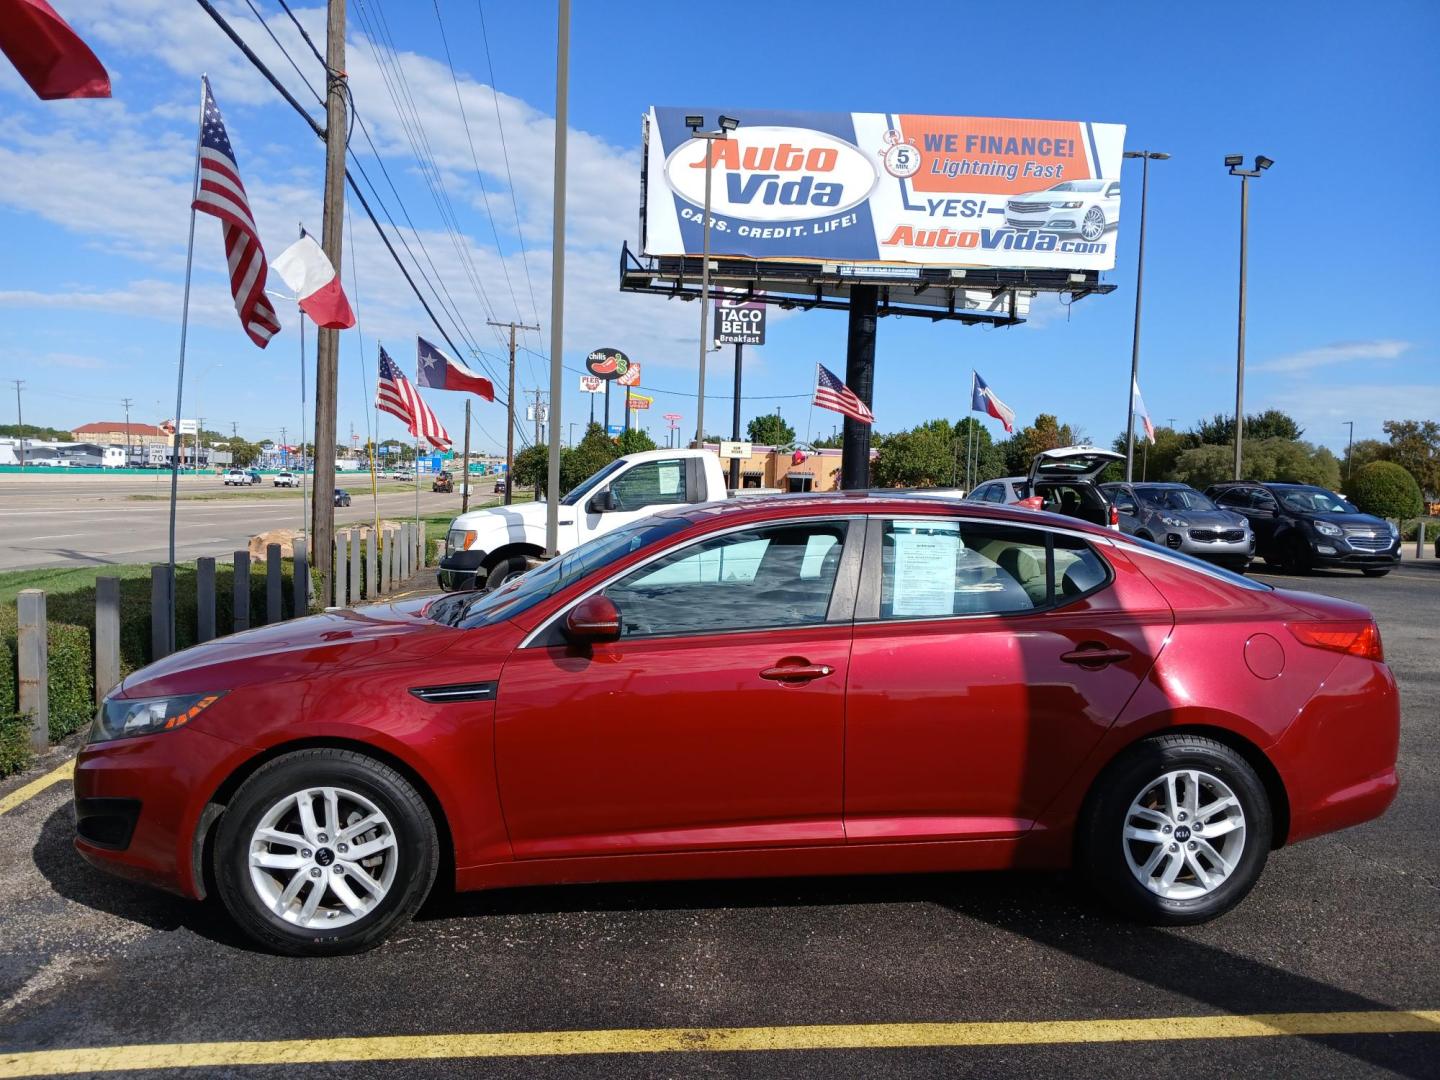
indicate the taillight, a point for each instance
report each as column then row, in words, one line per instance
column 1114, row 516
column 1353, row 638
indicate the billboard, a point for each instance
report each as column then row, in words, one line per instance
column 903, row 188
column 739, row 322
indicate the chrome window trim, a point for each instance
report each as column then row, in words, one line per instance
column 850, row 540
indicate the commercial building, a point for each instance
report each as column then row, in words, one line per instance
column 118, row 433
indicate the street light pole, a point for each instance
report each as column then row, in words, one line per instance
column 1350, row 450
column 1234, row 161
column 727, row 125
column 1145, row 157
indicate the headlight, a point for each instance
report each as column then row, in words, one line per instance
column 1325, row 528
column 1070, row 205
column 1175, row 522
column 1394, row 532
column 122, row 718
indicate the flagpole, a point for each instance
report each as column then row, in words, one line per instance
column 300, row 318
column 180, row 372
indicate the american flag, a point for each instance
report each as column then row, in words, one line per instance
column 831, row 393
column 222, row 194
column 396, row 396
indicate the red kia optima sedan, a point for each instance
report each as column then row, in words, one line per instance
column 773, row 686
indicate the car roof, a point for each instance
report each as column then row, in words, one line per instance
column 761, row 508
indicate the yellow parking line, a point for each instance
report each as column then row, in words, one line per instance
column 35, row 787
column 689, row 1040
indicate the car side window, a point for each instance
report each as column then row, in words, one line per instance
column 1240, row 497
column 769, row 577
column 653, row 483
column 1263, row 500
column 1112, row 191
column 933, row 567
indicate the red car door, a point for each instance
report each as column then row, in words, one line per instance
column 716, row 721
column 979, row 679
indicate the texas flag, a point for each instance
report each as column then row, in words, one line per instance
column 311, row 277
column 1137, row 406
column 439, row 372
column 983, row 399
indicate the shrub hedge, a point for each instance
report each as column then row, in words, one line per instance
column 1386, row 490
column 71, row 628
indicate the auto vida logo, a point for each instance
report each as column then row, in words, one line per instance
column 773, row 174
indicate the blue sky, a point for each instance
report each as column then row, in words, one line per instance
column 1343, row 323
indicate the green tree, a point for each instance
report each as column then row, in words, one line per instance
column 635, row 440
column 531, row 467
column 1362, row 453
column 30, row 431
column 1270, row 424
column 591, row 454
column 1154, row 461
column 987, row 457
column 769, row 429
column 1386, row 490
column 1265, row 460
column 830, row 442
column 924, row 456
column 1046, row 433
column 1415, row 447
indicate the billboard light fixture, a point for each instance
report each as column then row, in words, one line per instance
column 729, row 123
column 1263, row 162
column 693, row 122
column 1234, row 159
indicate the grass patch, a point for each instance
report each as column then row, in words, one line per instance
column 261, row 492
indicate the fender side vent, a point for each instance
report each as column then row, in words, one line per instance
column 444, row 695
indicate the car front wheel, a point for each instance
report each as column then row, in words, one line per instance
column 324, row 852
column 1093, row 226
column 1177, row 831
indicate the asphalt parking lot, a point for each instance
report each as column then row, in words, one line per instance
column 1348, row 924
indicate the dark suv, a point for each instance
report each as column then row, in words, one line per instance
column 1300, row 526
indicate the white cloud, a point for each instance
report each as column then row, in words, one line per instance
column 1322, row 408
column 1342, row 352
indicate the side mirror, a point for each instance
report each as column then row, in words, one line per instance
column 594, row 619
column 602, row 502
column 1126, row 508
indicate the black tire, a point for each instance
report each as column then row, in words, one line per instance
column 417, row 849
column 1100, row 847
column 1376, row 571
column 1143, row 534
column 504, row 570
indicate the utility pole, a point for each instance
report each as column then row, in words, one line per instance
column 284, row 441
column 557, row 271
column 1350, row 450
column 510, row 405
column 537, row 441
column 1234, row 163
column 19, row 421
column 465, row 463
column 1145, row 156
column 199, row 434
column 125, row 403
column 327, row 353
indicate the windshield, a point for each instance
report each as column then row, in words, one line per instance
column 1314, row 500
column 1174, row 499
column 1079, row 185
column 470, row 610
column 587, row 486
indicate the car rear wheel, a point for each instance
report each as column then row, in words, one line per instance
column 324, row 852
column 1093, row 226
column 1176, row 831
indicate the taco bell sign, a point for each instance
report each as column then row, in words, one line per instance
column 739, row 322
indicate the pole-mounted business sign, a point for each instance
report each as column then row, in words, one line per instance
column 607, row 364
column 739, row 322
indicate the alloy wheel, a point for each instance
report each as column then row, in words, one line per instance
column 1093, row 227
column 323, row 858
column 1184, row 834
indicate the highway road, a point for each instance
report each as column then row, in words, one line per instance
column 56, row 520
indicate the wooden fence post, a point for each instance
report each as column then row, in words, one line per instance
column 107, row 636
column 240, row 590
column 204, row 598
column 34, row 666
column 160, row 645
column 337, row 567
column 356, row 587
column 420, row 552
column 372, row 577
column 407, row 546
column 274, row 585
column 300, row 584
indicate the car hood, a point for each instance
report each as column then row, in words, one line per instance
column 1363, row 521
column 515, row 519
column 1202, row 518
column 356, row 638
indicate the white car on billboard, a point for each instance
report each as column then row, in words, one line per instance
column 1087, row 207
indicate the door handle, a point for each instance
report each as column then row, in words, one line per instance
column 1095, row 658
column 796, row 672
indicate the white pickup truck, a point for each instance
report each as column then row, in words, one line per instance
column 484, row 548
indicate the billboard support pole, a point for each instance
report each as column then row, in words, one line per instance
column 860, row 378
column 735, row 419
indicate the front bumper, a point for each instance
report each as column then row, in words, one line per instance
column 1339, row 551
column 461, row 570
column 1228, row 552
column 139, row 803
column 1060, row 221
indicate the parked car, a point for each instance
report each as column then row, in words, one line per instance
column 443, row 482
column 1008, row 489
column 286, row 479
column 1087, row 207
column 1182, row 519
column 342, row 497
column 1064, row 481
column 756, row 687
column 241, row 478
column 1299, row 527
column 487, row 547
column 501, row 485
